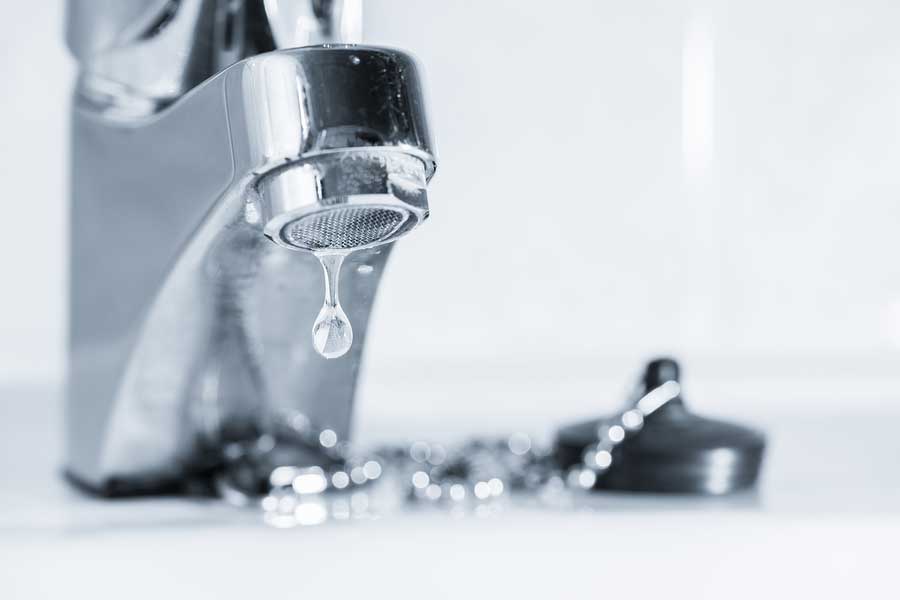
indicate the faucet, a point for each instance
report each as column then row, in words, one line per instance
column 212, row 163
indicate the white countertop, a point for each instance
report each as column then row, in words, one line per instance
column 825, row 520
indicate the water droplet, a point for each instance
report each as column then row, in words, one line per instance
column 332, row 333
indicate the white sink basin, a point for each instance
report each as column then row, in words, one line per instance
column 824, row 522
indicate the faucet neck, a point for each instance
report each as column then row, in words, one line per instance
column 138, row 56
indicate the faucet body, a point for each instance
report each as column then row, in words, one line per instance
column 188, row 325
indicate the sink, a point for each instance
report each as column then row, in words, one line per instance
column 821, row 521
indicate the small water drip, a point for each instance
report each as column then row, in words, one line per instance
column 332, row 333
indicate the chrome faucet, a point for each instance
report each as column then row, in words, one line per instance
column 211, row 160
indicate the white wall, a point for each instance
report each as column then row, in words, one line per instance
column 35, row 78
column 714, row 179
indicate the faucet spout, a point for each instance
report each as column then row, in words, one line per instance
column 194, row 276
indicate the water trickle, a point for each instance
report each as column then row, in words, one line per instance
column 332, row 333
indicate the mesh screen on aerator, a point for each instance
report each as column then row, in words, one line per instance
column 345, row 228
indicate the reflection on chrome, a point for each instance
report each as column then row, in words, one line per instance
column 654, row 399
column 472, row 478
column 310, row 481
column 420, row 480
column 340, row 480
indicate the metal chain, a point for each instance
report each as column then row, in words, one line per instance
column 478, row 474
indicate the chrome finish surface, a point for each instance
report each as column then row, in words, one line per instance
column 188, row 325
column 138, row 56
column 482, row 475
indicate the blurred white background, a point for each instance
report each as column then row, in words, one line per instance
column 717, row 180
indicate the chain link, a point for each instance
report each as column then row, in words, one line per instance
column 344, row 483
